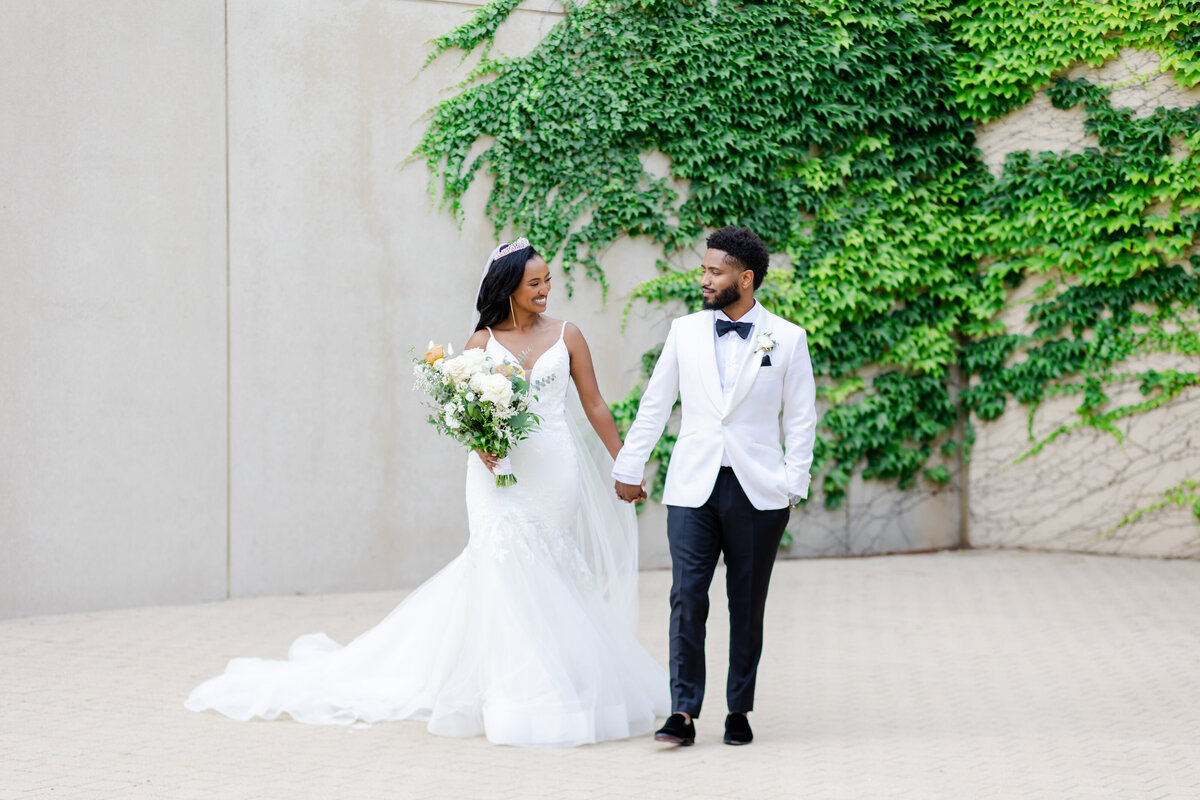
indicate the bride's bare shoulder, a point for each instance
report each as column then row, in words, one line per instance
column 478, row 339
column 573, row 336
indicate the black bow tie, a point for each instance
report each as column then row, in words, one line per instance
column 724, row 326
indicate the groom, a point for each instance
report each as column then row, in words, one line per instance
column 745, row 382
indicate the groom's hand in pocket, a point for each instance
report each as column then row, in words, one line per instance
column 631, row 492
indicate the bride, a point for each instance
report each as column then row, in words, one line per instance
column 526, row 636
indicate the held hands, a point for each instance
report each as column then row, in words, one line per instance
column 631, row 492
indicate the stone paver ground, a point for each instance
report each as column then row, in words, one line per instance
column 954, row 675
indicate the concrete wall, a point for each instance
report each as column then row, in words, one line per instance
column 213, row 264
column 112, row 304
column 340, row 265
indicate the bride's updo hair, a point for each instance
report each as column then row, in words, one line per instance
column 502, row 279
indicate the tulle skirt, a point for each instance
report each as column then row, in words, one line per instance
column 511, row 639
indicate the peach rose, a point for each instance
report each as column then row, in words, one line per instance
column 434, row 352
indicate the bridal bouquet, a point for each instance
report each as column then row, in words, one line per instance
column 477, row 401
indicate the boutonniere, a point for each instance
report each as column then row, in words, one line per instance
column 765, row 343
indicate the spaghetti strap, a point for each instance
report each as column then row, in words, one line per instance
column 562, row 332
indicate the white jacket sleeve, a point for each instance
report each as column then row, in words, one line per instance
column 799, row 418
column 653, row 412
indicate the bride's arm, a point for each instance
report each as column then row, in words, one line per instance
column 584, row 375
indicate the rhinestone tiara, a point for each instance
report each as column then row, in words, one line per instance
column 512, row 247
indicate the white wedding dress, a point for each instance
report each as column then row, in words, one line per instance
column 527, row 636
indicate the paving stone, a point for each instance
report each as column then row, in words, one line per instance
column 982, row 674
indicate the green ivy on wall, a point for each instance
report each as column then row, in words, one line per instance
column 767, row 110
column 1009, row 49
column 843, row 133
column 1106, row 230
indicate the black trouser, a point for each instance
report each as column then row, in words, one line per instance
column 749, row 538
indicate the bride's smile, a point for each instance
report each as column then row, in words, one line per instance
column 532, row 293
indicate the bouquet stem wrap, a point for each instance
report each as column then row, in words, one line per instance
column 504, row 473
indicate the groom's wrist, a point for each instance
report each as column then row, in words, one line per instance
column 626, row 478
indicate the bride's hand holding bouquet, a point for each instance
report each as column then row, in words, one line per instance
column 478, row 402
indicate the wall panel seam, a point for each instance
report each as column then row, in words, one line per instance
column 228, row 344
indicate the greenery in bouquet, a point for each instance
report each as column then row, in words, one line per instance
column 477, row 401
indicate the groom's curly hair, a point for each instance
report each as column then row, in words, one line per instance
column 743, row 246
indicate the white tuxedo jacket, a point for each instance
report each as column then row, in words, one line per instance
column 768, row 426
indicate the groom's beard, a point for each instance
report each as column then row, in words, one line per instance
column 721, row 299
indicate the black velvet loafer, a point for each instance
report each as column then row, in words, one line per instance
column 676, row 731
column 737, row 729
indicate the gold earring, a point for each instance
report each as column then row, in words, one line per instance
column 512, row 310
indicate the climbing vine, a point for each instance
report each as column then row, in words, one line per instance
column 843, row 133
column 1106, row 231
column 1006, row 50
column 1185, row 494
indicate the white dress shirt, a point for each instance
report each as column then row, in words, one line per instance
column 731, row 350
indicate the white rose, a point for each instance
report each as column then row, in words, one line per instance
column 455, row 368
column 475, row 360
column 497, row 389
column 476, row 381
